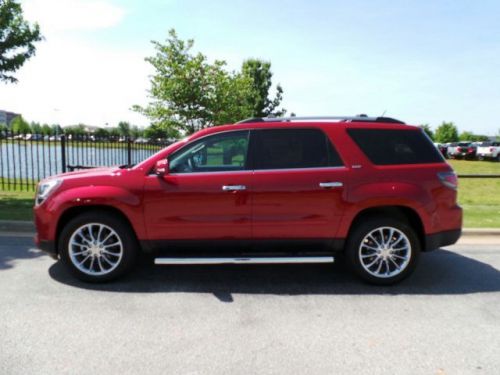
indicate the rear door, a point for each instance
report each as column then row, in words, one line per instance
column 299, row 184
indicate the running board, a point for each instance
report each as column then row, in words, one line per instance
column 244, row 260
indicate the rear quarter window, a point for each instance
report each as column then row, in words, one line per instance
column 393, row 146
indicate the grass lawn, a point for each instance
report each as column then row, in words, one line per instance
column 480, row 198
column 16, row 205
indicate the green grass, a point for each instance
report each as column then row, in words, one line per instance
column 480, row 198
column 16, row 205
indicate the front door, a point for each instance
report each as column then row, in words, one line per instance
column 205, row 195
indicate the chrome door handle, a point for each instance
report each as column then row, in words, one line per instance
column 233, row 187
column 329, row 185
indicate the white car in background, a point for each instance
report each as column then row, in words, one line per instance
column 489, row 150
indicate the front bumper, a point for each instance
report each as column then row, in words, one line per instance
column 48, row 247
column 436, row 240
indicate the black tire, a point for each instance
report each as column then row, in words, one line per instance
column 354, row 251
column 125, row 234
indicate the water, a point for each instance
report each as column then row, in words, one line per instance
column 35, row 161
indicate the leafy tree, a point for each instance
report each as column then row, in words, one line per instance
column 101, row 132
column 469, row 136
column 124, row 128
column 19, row 125
column 17, row 38
column 260, row 75
column 427, row 129
column 446, row 132
column 46, row 130
column 36, row 128
column 56, row 129
column 136, row 132
column 161, row 130
column 77, row 130
column 188, row 93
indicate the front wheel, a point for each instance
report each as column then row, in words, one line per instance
column 383, row 251
column 97, row 246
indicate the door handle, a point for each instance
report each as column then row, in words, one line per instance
column 233, row 187
column 329, row 185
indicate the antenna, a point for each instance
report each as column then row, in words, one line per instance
column 383, row 113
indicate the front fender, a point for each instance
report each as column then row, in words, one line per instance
column 127, row 202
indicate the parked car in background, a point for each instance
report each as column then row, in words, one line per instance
column 443, row 148
column 283, row 190
column 462, row 150
column 489, row 150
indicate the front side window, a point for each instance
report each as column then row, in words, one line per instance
column 292, row 148
column 220, row 152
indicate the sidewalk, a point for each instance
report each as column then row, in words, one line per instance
column 27, row 227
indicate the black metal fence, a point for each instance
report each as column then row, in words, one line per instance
column 25, row 159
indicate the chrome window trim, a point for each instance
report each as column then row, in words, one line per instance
column 246, row 171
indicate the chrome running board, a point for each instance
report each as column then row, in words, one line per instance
column 245, row 260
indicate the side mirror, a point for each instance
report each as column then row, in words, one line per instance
column 161, row 167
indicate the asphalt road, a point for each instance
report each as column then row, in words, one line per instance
column 288, row 319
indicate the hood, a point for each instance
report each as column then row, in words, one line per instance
column 92, row 172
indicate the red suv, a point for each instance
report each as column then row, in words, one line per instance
column 285, row 190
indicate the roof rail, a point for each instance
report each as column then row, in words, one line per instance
column 359, row 118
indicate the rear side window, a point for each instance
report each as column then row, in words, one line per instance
column 292, row 148
column 388, row 146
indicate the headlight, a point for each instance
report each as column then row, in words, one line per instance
column 45, row 189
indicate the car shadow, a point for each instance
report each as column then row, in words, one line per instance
column 439, row 273
column 13, row 249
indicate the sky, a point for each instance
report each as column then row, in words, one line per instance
column 423, row 61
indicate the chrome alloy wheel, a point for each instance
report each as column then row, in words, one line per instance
column 95, row 249
column 385, row 252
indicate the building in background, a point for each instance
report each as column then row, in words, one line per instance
column 6, row 116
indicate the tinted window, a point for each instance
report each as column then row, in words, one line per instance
column 292, row 148
column 385, row 147
column 220, row 152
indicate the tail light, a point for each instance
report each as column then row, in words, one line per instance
column 448, row 179
column 492, row 149
column 470, row 149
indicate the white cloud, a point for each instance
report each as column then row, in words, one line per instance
column 63, row 15
column 75, row 78
column 68, row 83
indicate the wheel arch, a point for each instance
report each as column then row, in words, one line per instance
column 72, row 212
column 403, row 213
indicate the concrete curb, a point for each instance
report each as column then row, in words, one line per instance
column 12, row 226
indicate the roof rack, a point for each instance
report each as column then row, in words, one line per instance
column 359, row 118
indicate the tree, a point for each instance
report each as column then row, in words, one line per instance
column 56, row 129
column 36, row 128
column 188, row 93
column 427, row 129
column 469, row 136
column 446, row 132
column 260, row 75
column 46, row 130
column 161, row 130
column 17, row 38
column 19, row 125
column 136, row 132
column 124, row 128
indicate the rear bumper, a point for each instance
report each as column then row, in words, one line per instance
column 436, row 240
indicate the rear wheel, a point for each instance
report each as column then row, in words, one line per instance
column 383, row 251
column 97, row 246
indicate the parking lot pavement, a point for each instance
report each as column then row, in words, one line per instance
column 287, row 319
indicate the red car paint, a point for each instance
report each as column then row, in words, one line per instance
column 277, row 204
